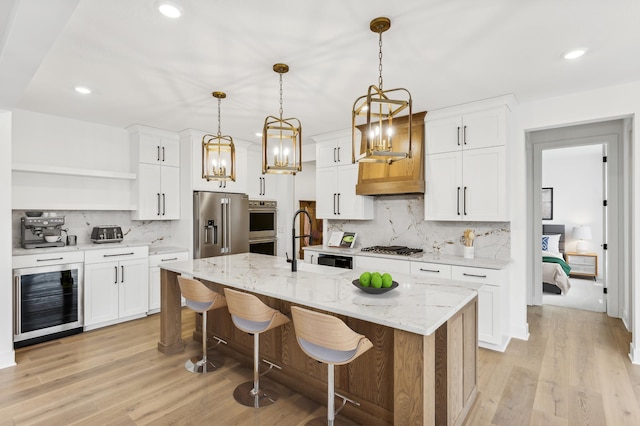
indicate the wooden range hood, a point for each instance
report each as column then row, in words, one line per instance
column 400, row 177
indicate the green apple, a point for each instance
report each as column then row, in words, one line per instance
column 387, row 281
column 365, row 279
column 376, row 280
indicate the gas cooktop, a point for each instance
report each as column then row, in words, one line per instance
column 399, row 250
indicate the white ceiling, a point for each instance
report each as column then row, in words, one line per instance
column 147, row 69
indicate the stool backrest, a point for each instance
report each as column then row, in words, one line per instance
column 327, row 331
column 250, row 308
column 195, row 291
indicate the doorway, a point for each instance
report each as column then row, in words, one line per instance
column 314, row 228
column 609, row 134
column 573, row 179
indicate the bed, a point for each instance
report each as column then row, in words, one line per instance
column 555, row 272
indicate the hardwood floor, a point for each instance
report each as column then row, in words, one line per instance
column 574, row 370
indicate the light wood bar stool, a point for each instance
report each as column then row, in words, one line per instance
column 202, row 299
column 252, row 316
column 328, row 339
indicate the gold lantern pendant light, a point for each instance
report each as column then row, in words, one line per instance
column 218, row 153
column 281, row 139
column 373, row 115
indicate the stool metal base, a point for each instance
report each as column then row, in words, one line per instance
column 322, row 421
column 243, row 394
column 196, row 365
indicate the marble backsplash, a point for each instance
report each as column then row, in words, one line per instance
column 81, row 223
column 399, row 220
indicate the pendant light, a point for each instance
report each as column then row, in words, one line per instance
column 281, row 139
column 373, row 115
column 218, row 153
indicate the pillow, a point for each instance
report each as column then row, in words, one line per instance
column 550, row 254
column 551, row 243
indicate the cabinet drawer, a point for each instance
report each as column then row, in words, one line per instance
column 431, row 269
column 581, row 260
column 156, row 260
column 478, row 275
column 44, row 259
column 382, row 265
column 116, row 254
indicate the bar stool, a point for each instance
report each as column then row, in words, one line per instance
column 202, row 299
column 328, row 339
column 252, row 316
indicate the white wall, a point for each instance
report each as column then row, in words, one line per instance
column 7, row 356
column 575, row 174
column 596, row 105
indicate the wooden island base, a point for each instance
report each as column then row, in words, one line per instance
column 405, row 379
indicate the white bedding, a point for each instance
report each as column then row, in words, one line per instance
column 552, row 273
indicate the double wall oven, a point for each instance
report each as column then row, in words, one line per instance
column 263, row 227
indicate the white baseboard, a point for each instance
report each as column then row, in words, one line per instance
column 500, row 348
column 520, row 332
column 7, row 359
column 634, row 354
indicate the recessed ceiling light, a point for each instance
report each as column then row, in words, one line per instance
column 258, row 134
column 575, row 53
column 83, row 90
column 170, row 9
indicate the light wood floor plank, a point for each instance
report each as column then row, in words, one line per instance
column 574, row 370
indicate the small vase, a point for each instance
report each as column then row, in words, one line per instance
column 468, row 252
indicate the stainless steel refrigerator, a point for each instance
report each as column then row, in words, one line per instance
column 221, row 224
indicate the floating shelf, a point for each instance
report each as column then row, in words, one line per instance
column 71, row 171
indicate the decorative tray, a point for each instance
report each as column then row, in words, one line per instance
column 373, row 290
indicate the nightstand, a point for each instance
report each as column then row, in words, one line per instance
column 583, row 264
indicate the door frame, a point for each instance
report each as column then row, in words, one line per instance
column 609, row 133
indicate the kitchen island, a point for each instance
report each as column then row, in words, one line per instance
column 421, row 370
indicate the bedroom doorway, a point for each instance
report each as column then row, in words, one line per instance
column 610, row 136
column 575, row 181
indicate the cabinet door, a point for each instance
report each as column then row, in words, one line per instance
column 100, row 292
column 149, row 193
column 443, row 186
column 133, row 278
column 489, row 314
column 483, row 129
column 311, row 257
column 326, row 194
column 484, row 186
column 170, row 195
column 326, row 154
column 254, row 175
column 150, row 147
column 170, row 152
column 443, row 135
column 343, row 150
column 154, row 289
column 349, row 205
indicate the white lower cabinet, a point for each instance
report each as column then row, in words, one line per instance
column 493, row 307
column 116, row 286
column 311, row 257
column 431, row 269
column 382, row 265
column 155, row 262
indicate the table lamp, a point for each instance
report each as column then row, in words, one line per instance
column 582, row 234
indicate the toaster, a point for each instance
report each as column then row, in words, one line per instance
column 106, row 234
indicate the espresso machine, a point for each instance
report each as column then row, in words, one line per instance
column 42, row 231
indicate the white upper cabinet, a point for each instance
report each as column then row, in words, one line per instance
column 157, row 149
column 260, row 186
column 156, row 157
column 336, row 179
column 336, row 150
column 466, row 162
column 480, row 129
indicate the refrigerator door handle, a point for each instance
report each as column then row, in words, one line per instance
column 225, row 225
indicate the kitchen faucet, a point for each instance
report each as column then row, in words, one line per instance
column 294, row 265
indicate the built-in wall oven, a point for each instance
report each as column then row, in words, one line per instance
column 48, row 300
column 263, row 227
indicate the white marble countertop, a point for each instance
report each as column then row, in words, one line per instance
column 478, row 262
column 418, row 305
column 84, row 247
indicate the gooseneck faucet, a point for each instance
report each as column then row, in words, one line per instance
column 294, row 265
